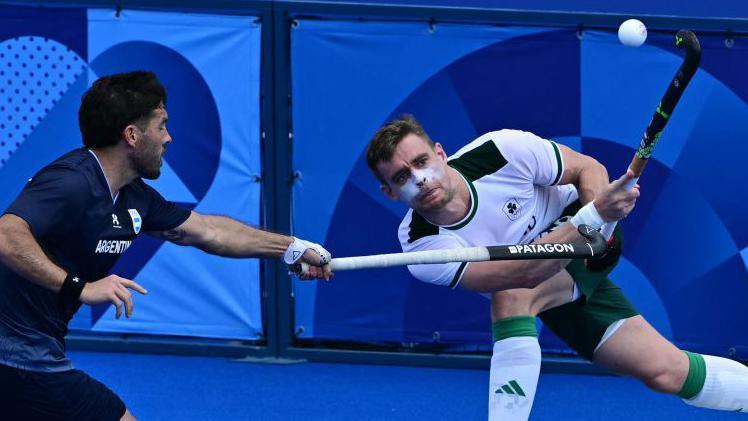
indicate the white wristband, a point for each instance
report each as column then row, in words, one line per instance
column 587, row 215
column 296, row 250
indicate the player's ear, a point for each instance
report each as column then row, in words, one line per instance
column 387, row 191
column 440, row 151
column 130, row 134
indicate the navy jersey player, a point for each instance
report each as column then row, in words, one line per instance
column 62, row 235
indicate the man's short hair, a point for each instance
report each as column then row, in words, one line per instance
column 116, row 101
column 382, row 146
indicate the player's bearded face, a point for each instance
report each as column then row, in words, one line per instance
column 149, row 151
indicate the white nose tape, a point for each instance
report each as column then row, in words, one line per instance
column 411, row 188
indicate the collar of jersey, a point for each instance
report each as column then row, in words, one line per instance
column 473, row 205
column 108, row 186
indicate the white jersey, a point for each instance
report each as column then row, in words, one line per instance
column 512, row 178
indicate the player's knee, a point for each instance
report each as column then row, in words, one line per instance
column 510, row 303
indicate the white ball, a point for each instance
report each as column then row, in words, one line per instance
column 632, row 33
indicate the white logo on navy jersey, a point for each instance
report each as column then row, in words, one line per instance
column 137, row 222
column 112, row 246
column 115, row 222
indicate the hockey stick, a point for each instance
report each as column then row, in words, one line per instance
column 688, row 41
column 594, row 247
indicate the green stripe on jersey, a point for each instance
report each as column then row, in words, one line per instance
column 420, row 227
column 484, row 160
column 559, row 163
column 473, row 206
column 458, row 275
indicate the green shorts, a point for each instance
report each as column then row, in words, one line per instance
column 582, row 323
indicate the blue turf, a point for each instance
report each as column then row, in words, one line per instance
column 158, row 387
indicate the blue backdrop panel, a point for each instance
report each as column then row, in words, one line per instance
column 210, row 67
column 700, row 9
column 683, row 242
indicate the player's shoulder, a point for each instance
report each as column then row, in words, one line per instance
column 141, row 192
column 513, row 137
column 414, row 227
column 72, row 171
column 480, row 157
column 140, row 186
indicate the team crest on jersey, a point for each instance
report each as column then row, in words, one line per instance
column 512, row 209
column 137, row 222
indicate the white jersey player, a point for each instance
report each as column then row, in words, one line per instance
column 512, row 177
column 510, row 187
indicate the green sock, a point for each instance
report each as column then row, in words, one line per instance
column 696, row 376
column 514, row 326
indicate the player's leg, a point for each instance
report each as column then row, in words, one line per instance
column 66, row 395
column 515, row 363
column 637, row 349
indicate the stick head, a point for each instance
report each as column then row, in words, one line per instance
column 688, row 41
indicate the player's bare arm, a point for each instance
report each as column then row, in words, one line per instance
column 613, row 203
column 228, row 237
column 589, row 176
column 20, row 252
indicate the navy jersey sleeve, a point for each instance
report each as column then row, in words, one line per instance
column 52, row 201
column 162, row 214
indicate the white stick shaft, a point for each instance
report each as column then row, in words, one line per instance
column 609, row 227
column 470, row 254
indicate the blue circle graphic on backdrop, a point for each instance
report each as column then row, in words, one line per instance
column 193, row 115
column 508, row 85
column 194, row 125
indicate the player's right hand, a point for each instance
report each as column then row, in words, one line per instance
column 616, row 201
column 308, row 260
column 112, row 289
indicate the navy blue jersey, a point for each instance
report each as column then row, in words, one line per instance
column 70, row 210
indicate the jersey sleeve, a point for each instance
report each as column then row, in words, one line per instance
column 162, row 214
column 52, row 201
column 447, row 274
column 533, row 158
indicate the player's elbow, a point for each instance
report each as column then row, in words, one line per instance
column 600, row 167
column 591, row 166
column 4, row 240
column 208, row 235
column 11, row 229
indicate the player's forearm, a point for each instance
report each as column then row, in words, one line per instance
column 593, row 179
column 510, row 274
column 231, row 238
column 22, row 254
